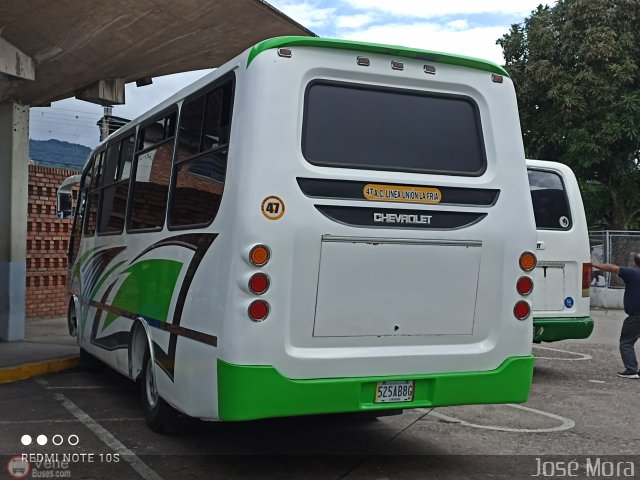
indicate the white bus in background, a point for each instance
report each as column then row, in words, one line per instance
column 318, row 226
column 563, row 275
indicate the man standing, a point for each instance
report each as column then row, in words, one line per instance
column 631, row 326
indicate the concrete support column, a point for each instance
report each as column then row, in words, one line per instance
column 14, row 177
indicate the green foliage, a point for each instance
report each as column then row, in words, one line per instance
column 576, row 69
column 597, row 203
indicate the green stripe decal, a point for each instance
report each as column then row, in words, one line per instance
column 364, row 47
column 147, row 290
column 248, row 392
column 561, row 328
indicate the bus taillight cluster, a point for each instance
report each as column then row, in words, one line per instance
column 259, row 283
column 524, row 286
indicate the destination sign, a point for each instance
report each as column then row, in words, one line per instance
column 399, row 193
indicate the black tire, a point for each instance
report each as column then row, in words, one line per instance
column 161, row 417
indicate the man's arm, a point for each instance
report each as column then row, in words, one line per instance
column 607, row 267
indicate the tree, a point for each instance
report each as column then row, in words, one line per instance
column 576, row 70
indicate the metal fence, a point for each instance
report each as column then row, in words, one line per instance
column 613, row 246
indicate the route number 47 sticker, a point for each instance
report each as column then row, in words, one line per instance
column 273, row 207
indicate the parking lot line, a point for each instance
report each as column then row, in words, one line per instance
column 581, row 356
column 103, row 434
column 69, row 420
column 567, row 423
column 108, row 439
column 82, row 387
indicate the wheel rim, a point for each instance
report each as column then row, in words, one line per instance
column 73, row 322
column 150, row 384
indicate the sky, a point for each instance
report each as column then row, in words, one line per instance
column 467, row 27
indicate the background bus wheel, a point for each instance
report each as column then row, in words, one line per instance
column 159, row 414
column 72, row 319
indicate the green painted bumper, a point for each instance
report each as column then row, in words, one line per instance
column 247, row 392
column 554, row 329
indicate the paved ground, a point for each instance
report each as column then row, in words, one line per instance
column 45, row 338
column 578, row 409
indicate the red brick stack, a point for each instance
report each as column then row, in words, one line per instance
column 47, row 243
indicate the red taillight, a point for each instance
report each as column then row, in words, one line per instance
column 524, row 286
column 258, row 310
column 586, row 279
column 521, row 310
column 259, row 283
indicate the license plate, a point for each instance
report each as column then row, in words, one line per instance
column 401, row 391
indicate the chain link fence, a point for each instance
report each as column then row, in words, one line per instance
column 613, row 246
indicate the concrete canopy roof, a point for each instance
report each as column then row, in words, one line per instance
column 72, row 44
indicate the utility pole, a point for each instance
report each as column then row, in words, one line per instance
column 104, row 133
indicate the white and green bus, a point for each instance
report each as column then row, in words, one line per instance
column 563, row 273
column 317, row 226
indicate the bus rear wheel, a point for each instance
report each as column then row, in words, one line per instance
column 159, row 414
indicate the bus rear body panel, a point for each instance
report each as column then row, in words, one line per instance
column 364, row 287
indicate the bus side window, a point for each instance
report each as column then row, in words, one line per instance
column 191, row 119
column 91, row 215
column 113, row 203
column 201, row 160
column 151, row 174
column 79, row 213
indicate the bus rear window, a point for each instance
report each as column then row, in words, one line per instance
column 356, row 126
column 550, row 202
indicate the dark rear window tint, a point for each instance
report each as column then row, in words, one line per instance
column 355, row 126
column 550, row 202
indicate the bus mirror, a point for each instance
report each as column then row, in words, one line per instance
column 65, row 196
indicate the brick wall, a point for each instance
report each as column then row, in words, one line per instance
column 47, row 242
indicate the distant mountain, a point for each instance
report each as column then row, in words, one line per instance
column 56, row 153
